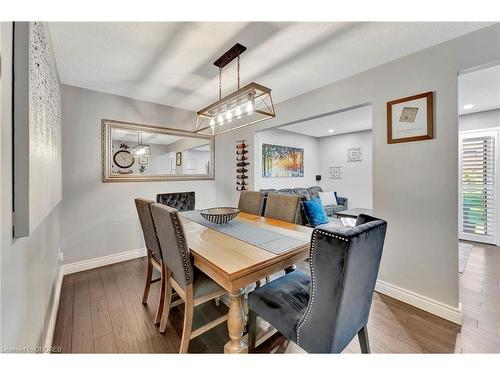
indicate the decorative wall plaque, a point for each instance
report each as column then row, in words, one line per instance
column 354, row 154
column 335, row 172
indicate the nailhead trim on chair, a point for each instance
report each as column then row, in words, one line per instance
column 313, row 281
column 180, row 244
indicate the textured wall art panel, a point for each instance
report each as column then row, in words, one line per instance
column 354, row 154
column 335, row 173
column 45, row 190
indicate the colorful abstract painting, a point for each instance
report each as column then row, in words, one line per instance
column 282, row 161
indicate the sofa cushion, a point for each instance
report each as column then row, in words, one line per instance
column 314, row 190
column 327, row 198
column 286, row 191
column 330, row 210
column 303, row 192
column 315, row 213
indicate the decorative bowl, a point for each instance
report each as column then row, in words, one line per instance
column 220, row 215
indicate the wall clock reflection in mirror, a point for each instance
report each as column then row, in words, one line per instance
column 123, row 159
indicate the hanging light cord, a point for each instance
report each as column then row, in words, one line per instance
column 220, row 83
column 238, row 71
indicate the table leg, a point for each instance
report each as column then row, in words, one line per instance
column 236, row 324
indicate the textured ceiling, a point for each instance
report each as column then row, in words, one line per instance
column 481, row 89
column 171, row 63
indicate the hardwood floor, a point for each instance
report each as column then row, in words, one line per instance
column 100, row 311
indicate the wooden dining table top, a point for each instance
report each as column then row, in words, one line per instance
column 234, row 263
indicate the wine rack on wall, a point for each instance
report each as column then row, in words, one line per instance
column 242, row 165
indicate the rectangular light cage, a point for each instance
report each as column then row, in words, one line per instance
column 250, row 104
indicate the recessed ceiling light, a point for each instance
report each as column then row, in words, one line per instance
column 468, row 106
column 330, row 130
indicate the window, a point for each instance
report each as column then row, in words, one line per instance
column 477, row 187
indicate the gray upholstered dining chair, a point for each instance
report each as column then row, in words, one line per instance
column 251, row 202
column 155, row 259
column 181, row 201
column 283, row 207
column 192, row 285
column 323, row 312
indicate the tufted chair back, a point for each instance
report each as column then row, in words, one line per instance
column 181, row 201
column 173, row 243
column 143, row 207
column 344, row 265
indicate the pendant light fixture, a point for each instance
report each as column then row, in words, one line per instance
column 140, row 149
column 245, row 106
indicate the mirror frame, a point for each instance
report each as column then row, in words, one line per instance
column 106, row 157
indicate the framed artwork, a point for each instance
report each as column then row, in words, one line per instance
column 282, row 161
column 178, row 159
column 410, row 119
column 143, row 160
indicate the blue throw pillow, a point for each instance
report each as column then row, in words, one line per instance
column 315, row 212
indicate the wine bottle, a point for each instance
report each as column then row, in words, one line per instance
column 242, row 164
column 241, row 152
column 241, row 188
column 241, row 145
column 242, row 170
column 241, row 176
column 241, row 183
column 241, row 158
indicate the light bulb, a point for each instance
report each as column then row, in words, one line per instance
column 229, row 115
column 249, row 107
column 238, row 111
column 220, row 119
column 212, row 122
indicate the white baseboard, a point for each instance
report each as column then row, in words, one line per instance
column 453, row 314
column 103, row 261
column 51, row 326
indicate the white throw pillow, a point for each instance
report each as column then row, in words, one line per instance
column 327, row 198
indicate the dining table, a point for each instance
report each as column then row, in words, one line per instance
column 239, row 254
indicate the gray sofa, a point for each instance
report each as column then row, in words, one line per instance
column 309, row 193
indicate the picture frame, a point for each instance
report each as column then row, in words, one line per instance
column 178, row 159
column 411, row 118
column 143, row 160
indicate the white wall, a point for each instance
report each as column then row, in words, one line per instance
column 284, row 138
column 99, row 219
column 479, row 120
column 29, row 265
column 357, row 181
column 415, row 184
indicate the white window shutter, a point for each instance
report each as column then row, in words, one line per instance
column 477, row 187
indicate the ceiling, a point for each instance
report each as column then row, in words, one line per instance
column 172, row 63
column 479, row 90
column 349, row 121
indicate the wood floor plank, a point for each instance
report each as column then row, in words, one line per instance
column 122, row 326
column 82, row 340
column 102, row 330
column 146, row 332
